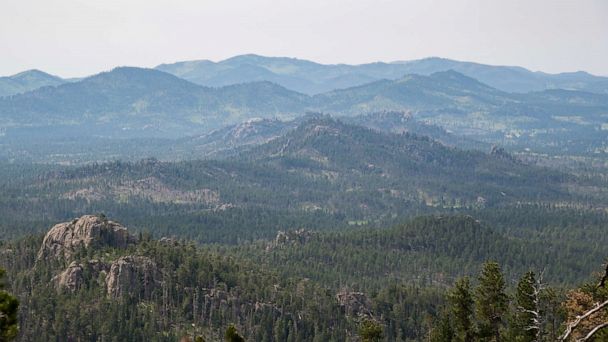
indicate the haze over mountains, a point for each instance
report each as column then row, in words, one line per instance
column 132, row 102
column 27, row 81
column 271, row 209
column 322, row 167
column 313, row 78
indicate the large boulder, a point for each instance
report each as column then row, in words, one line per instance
column 72, row 278
column 65, row 239
column 132, row 276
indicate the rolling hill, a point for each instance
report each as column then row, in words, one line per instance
column 426, row 250
column 27, row 81
column 314, row 78
column 146, row 103
column 140, row 100
column 324, row 171
column 555, row 121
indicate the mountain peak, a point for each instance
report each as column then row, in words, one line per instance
column 266, row 59
column 126, row 76
column 33, row 73
column 27, row 81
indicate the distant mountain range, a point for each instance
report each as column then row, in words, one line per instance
column 27, row 81
column 134, row 102
column 131, row 100
column 314, row 78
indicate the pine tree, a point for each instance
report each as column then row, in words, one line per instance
column 461, row 301
column 8, row 313
column 443, row 331
column 232, row 335
column 371, row 331
column 491, row 302
column 527, row 321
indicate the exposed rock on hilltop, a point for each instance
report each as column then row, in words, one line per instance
column 354, row 304
column 72, row 278
column 136, row 276
column 287, row 238
column 127, row 276
column 64, row 239
column 133, row 276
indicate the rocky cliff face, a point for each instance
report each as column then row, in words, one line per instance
column 132, row 276
column 72, row 278
column 129, row 275
column 65, row 239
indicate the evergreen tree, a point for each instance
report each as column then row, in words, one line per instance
column 526, row 323
column 232, row 335
column 8, row 313
column 371, row 331
column 443, row 331
column 461, row 301
column 491, row 302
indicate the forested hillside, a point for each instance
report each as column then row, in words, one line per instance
column 428, row 251
column 325, row 174
column 300, row 286
column 27, row 81
column 312, row 78
column 104, row 110
column 374, row 193
column 156, row 291
column 310, row 229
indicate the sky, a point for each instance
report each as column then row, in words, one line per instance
column 73, row 38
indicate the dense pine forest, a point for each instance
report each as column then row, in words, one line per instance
column 277, row 199
column 330, row 232
column 394, row 285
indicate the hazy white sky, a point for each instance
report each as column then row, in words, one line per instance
column 80, row 37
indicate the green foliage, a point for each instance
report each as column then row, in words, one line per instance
column 371, row 331
column 9, row 305
column 197, row 289
column 320, row 177
column 527, row 302
column 443, row 331
column 461, row 303
column 232, row 335
column 491, row 302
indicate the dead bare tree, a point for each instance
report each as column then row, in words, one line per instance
column 537, row 317
column 596, row 308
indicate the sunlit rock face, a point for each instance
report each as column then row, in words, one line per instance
column 65, row 239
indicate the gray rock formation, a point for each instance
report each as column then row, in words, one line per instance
column 65, row 239
column 288, row 238
column 132, row 276
column 354, row 304
column 72, row 278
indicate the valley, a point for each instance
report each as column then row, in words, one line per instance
column 199, row 198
